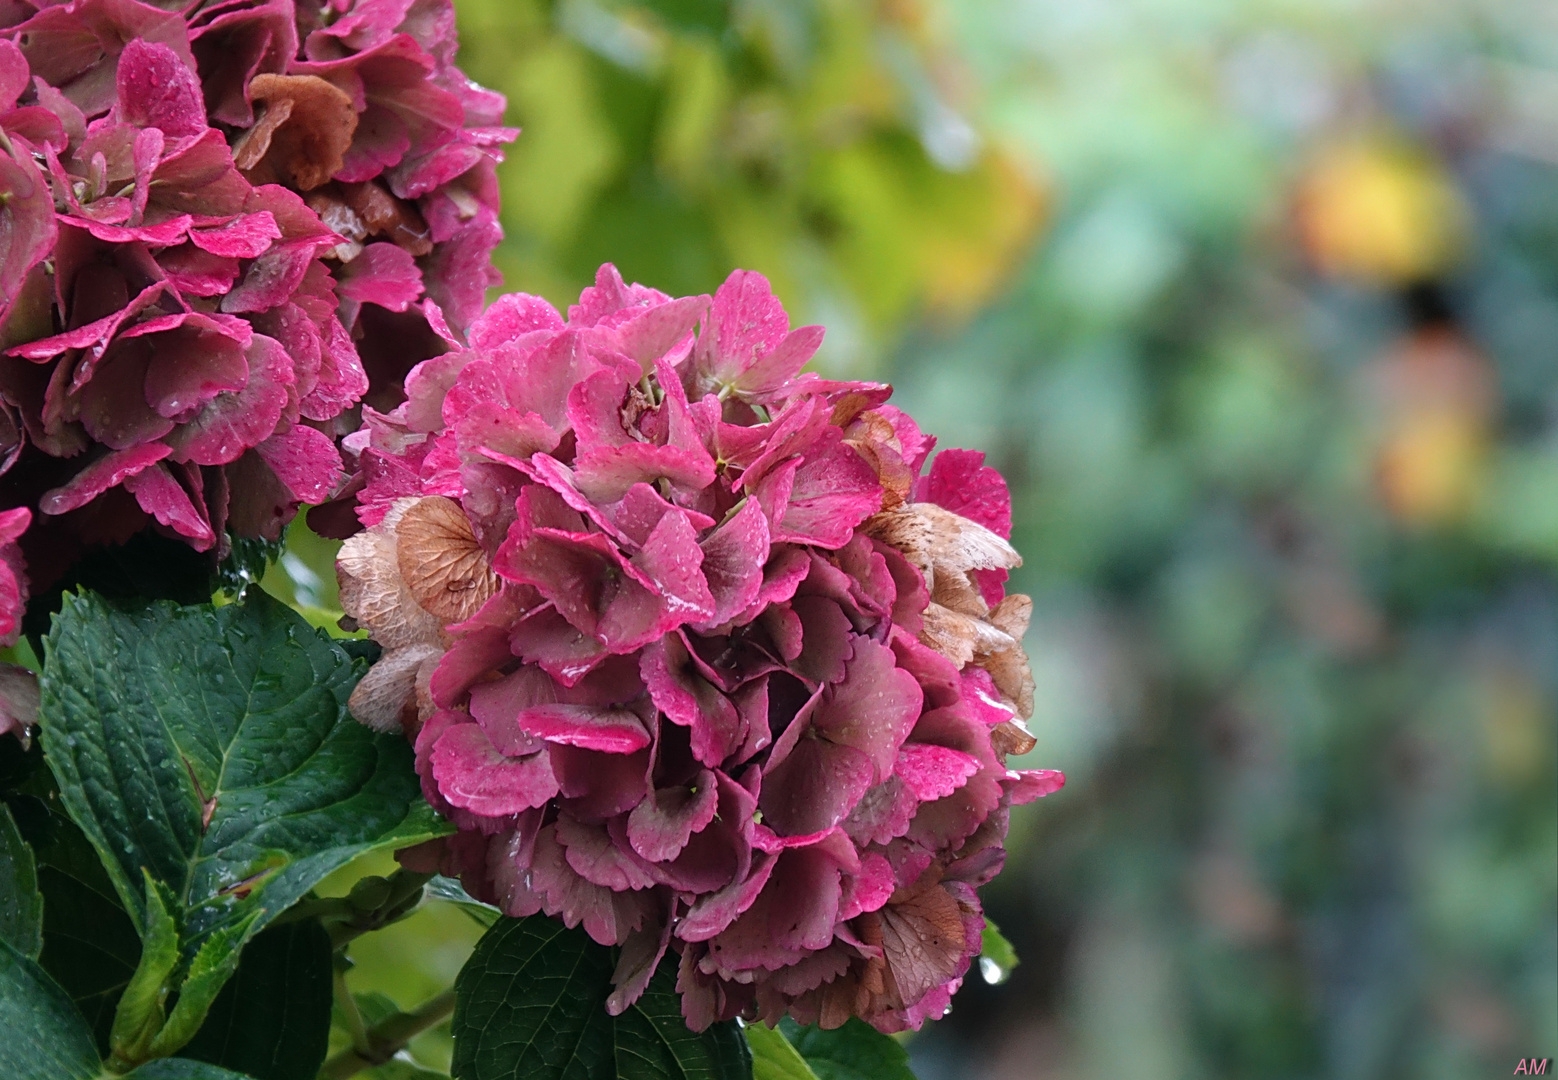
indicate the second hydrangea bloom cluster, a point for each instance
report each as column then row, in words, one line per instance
column 221, row 225
column 694, row 654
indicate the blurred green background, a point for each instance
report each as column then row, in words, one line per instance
column 1256, row 305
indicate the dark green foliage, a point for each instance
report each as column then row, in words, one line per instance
column 44, row 1037
column 21, row 905
column 212, row 747
column 272, row 1019
column 856, row 1051
column 531, row 1004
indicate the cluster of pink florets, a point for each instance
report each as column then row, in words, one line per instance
column 701, row 708
column 211, row 215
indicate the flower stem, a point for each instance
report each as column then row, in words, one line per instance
column 389, row 1037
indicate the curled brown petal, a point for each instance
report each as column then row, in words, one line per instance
column 302, row 135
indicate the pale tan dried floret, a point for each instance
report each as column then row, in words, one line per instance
column 304, row 128
column 373, row 591
column 441, row 562
column 404, row 580
column 946, row 548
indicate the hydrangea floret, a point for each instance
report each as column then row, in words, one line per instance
column 696, row 651
column 213, row 215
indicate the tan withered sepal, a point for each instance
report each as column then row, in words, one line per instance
column 946, row 547
column 302, row 133
column 404, row 580
column 441, row 562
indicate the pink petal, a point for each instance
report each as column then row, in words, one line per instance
column 383, row 274
column 305, row 460
column 960, row 481
column 166, row 500
column 106, row 472
column 157, row 89
column 246, row 236
column 472, row 774
column 612, row 731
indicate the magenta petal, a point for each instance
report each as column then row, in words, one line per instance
column 680, row 691
column 608, row 917
column 613, row 731
column 745, row 322
column 509, row 317
column 599, row 785
column 833, row 492
column 713, row 913
column 472, row 774
column 551, row 642
column 27, row 221
column 653, row 333
column 660, row 826
column 231, row 423
column 733, row 559
column 163, row 498
column 246, row 236
column 1025, row 785
column 383, row 274
column 157, row 90
column 933, row 772
column 672, row 559
column 960, row 481
column 814, row 787
column 305, row 460
column 873, row 709
column 592, row 854
column 106, row 472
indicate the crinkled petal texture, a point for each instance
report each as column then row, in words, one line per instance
column 742, row 683
column 221, row 226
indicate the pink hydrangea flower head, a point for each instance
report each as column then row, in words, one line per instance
column 213, row 218
column 695, row 651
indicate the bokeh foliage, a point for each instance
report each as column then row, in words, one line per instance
column 819, row 141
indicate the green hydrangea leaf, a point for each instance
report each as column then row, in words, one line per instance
column 211, row 747
column 773, row 1058
column 856, row 1051
column 21, row 904
column 182, row 1069
column 999, row 953
column 44, row 1035
column 531, row 1004
column 90, row 946
column 272, row 1019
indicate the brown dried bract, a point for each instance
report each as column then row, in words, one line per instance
column 389, row 217
column 958, row 623
column 302, row 134
column 442, row 564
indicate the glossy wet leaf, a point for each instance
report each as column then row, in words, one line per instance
column 21, row 904
column 773, row 1058
column 42, row 1034
column 531, row 1004
column 211, row 746
column 272, row 1019
column 856, row 1051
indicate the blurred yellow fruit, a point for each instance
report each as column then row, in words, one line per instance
column 1377, row 210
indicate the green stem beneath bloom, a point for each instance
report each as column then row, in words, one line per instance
column 388, row 1038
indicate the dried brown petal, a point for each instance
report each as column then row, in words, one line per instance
column 942, row 544
column 302, row 135
column 960, row 638
column 441, row 562
column 380, row 700
column 384, row 215
column 373, row 592
column 1011, row 739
